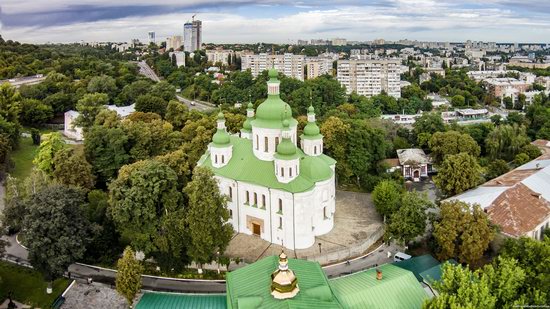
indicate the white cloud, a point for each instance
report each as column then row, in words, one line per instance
column 415, row 19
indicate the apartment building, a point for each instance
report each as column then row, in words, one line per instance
column 506, row 86
column 289, row 64
column 370, row 77
column 219, row 55
column 174, row 42
column 316, row 66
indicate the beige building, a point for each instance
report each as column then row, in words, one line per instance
column 289, row 64
column 370, row 77
column 219, row 55
column 506, row 86
column 316, row 67
column 174, row 42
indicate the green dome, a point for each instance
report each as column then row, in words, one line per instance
column 247, row 125
column 286, row 148
column 315, row 169
column 310, row 109
column 221, row 116
column 273, row 109
column 311, row 129
column 272, row 73
column 220, row 138
column 250, row 106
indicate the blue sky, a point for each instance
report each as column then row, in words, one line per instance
column 277, row 21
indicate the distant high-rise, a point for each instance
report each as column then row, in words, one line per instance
column 174, row 42
column 192, row 36
column 151, row 36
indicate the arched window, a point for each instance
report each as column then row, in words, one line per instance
column 263, row 200
column 223, row 159
column 280, row 223
column 255, row 198
column 314, row 149
column 282, row 172
column 216, row 159
column 230, row 194
column 266, row 144
column 257, row 142
column 276, row 141
column 290, row 172
column 247, row 198
column 280, row 210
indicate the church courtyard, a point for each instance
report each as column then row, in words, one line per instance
column 357, row 227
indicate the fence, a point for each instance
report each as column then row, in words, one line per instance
column 342, row 254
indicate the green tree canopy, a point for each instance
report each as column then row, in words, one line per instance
column 451, row 143
column 51, row 144
column 56, row 229
column 128, row 276
column 410, row 220
column 506, row 141
column 142, row 198
column 207, row 217
column 386, row 197
column 89, row 106
column 72, row 169
column 457, row 174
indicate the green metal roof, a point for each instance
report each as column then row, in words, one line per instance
column 434, row 274
column 418, row 264
column 244, row 166
column 398, row 289
column 249, row 287
column 154, row 300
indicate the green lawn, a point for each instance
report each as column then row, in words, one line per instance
column 22, row 158
column 28, row 286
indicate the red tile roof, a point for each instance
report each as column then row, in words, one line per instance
column 518, row 210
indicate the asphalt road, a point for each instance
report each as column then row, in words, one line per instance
column 29, row 80
column 199, row 105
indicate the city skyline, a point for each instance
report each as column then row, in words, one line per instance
column 278, row 21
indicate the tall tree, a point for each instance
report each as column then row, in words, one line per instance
column 506, row 141
column 148, row 103
column 335, row 133
column 457, row 174
column 128, row 276
column 142, row 197
column 410, row 220
column 56, row 229
column 51, row 144
column 450, row 143
column 386, row 197
column 89, row 106
column 72, row 169
column 462, row 231
column 105, row 150
column 207, row 217
column 103, row 84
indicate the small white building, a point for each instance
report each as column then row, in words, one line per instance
column 71, row 130
column 413, row 163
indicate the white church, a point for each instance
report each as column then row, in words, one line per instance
column 277, row 191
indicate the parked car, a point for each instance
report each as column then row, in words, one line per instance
column 400, row 256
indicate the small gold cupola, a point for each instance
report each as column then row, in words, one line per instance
column 284, row 283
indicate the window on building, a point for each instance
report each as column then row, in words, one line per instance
column 276, row 141
column 230, row 194
column 255, row 198
column 280, row 206
column 263, row 200
column 223, row 159
column 325, row 212
column 230, row 213
column 216, row 159
column 314, row 149
column 257, row 142
column 290, row 172
column 282, row 172
column 280, row 223
column 247, row 198
column 266, row 144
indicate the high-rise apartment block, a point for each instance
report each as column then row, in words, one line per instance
column 151, row 35
column 192, row 36
column 370, row 77
column 316, row 66
column 289, row 64
column 174, row 42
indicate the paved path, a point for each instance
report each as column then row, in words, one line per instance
column 146, row 70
